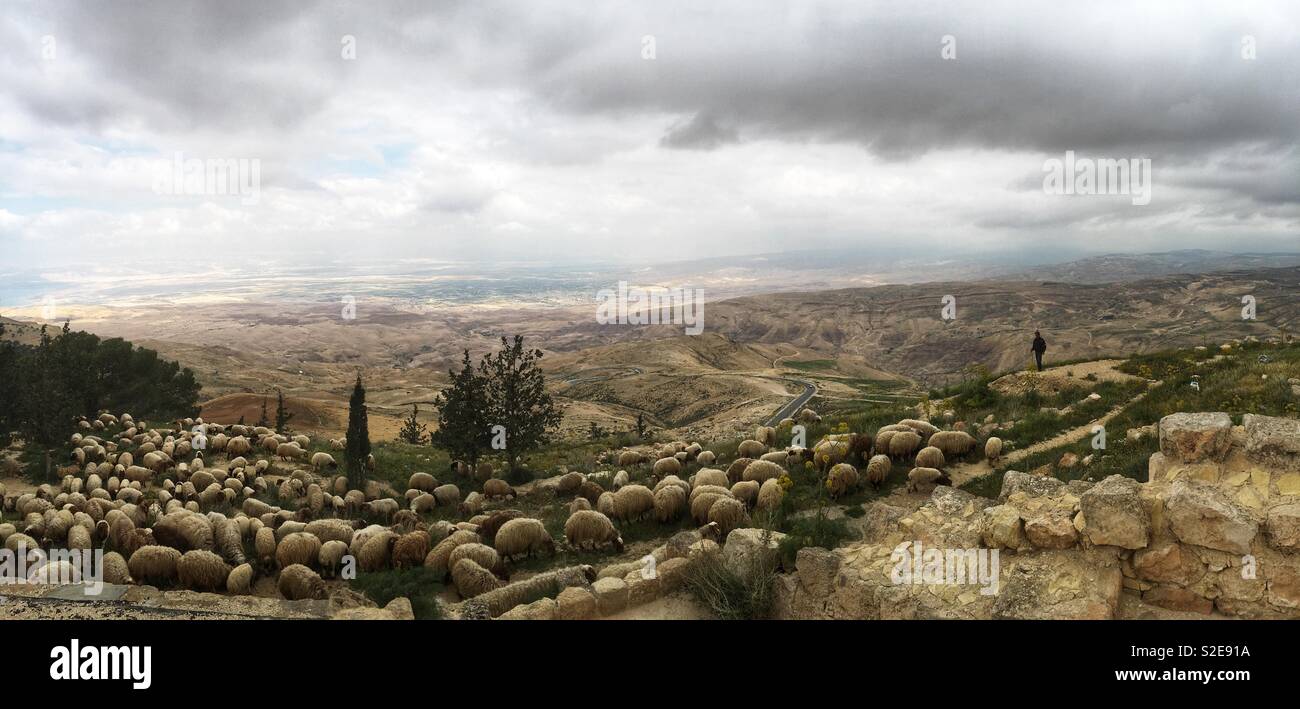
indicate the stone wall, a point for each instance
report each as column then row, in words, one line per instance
column 1216, row 531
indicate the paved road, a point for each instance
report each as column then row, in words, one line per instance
column 617, row 372
column 790, row 409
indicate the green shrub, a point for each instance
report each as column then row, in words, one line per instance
column 420, row 585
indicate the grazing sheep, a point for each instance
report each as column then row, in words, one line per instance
column 829, row 452
column 423, row 482
column 620, row 479
column 953, row 443
column 590, row 528
column 761, row 470
column 297, row 582
column 579, row 503
column 627, row 459
column 497, row 488
column 382, row 509
column 878, row 468
column 591, row 490
column 482, row 554
column 569, row 483
column 154, row 565
column 667, row 466
column 410, row 549
column 114, row 569
column 702, row 499
column 437, row 558
column 331, row 557
column 924, row 428
column 770, row 494
column 523, row 536
column 706, row 458
column 750, row 449
column 670, row 502
column 297, row 548
column 265, row 546
column 605, row 504
column 809, row 416
column 472, row 580
column 929, row 457
column 322, row 460
column 925, row 480
column 377, row 552
column 447, row 495
column 710, row 476
column 633, row 502
column 728, row 513
column 747, row 491
column 483, row 471
column 841, row 479
column 330, row 529
column 904, row 443
column 238, row 446
column 184, row 531
column 993, row 448
column 240, row 580
column 488, row 528
column 200, row 570
column 226, row 538
column 737, row 469
column 778, row 457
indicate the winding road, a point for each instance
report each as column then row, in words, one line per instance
column 789, row 410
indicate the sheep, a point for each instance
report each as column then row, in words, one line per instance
column 747, row 491
column 765, row 435
column 472, row 580
column 620, row 479
column 297, row 582
column 377, row 552
column 200, row 570
column 750, row 448
column 410, row 549
column 953, row 443
column 579, row 503
column 627, row 459
column 929, row 457
column 155, row 565
column 483, row 471
column 770, row 494
column 737, row 469
column 323, row 460
column 591, row 490
column 381, row 509
column 523, row 536
column 569, row 483
column 761, row 470
column 841, row 479
column 447, row 495
column 925, row 480
column 423, row 503
column 473, row 503
column 331, row 557
column 605, row 504
column 829, row 452
column 114, row 570
column 670, row 502
column 993, row 448
column 482, row 554
column 809, row 416
column 587, row 527
column 227, row 539
column 240, row 580
column 883, row 438
column 878, row 468
column 728, row 513
column 667, row 466
column 497, row 488
column 289, row 451
column 489, row 527
column 437, row 558
column 706, row 458
column 330, row 530
column 297, row 548
column 265, row 546
column 924, row 428
column 701, row 501
column 184, row 531
column 423, row 482
column 633, row 502
column 904, row 443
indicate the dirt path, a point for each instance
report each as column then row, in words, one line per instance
column 675, row 606
column 965, row 472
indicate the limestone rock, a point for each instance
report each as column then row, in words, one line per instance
column 748, row 547
column 611, row 595
column 1053, row 529
column 541, row 609
column 1059, row 585
column 816, row 569
column 1283, row 527
column 1114, row 514
column 1192, row 438
column 1201, row 515
column 575, row 603
column 1001, row 528
column 1031, row 485
column 1270, row 437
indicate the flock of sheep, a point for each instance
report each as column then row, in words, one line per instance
column 164, row 516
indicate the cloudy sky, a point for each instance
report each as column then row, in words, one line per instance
column 637, row 131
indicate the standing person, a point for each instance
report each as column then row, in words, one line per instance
column 1039, row 347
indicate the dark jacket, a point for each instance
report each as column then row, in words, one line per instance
column 1040, row 345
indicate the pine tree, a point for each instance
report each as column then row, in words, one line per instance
column 463, row 426
column 282, row 416
column 412, row 430
column 358, row 448
column 518, row 400
column 640, row 425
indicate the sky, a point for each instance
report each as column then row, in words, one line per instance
column 634, row 132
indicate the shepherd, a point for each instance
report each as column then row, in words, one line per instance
column 1039, row 347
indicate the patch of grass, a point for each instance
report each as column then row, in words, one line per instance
column 419, row 584
column 817, row 530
